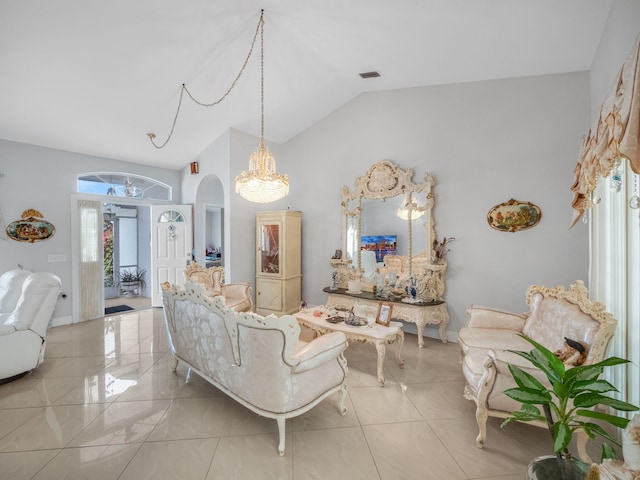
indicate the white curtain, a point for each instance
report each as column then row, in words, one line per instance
column 91, row 253
column 615, row 275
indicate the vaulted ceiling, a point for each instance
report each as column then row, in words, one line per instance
column 94, row 76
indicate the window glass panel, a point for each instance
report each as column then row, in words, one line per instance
column 123, row 185
column 171, row 216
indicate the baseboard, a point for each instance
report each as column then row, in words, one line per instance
column 59, row 321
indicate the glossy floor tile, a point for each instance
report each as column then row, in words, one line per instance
column 105, row 405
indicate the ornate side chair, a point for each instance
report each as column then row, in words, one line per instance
column 237, row 296
column 554, row 314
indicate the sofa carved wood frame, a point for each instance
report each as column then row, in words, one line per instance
column 258, row 361
column 485, row 367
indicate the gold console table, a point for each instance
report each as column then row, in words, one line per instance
column 422, row 314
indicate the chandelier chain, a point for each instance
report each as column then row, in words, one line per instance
column 261, row 80
column 259, row 28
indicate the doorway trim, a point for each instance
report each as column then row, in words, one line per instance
column 75, row 242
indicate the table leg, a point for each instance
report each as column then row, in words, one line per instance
column 381, row 348
column 399, row 344
column 420, row 323
column 444, row 321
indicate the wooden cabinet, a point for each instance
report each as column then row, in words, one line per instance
column 278, row 262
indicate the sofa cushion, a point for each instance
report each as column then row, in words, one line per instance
column 35, row 291
column 237, row 304
column 490, row 338
column 11, row 289
column 7, row 329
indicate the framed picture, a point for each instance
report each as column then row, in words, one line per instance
column 31, row 228
column 513, row 216
column 384, row 313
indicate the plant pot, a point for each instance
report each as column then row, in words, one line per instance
column 549, row 467
column 130, row 287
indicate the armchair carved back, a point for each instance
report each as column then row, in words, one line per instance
column 210, row 278
column 557, row 313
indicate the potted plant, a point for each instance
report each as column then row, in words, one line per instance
column 568, row 406
column 130, row 281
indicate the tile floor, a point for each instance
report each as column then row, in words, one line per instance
column 134, row 301
column 105, row 405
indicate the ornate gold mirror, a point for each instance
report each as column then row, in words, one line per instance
column 386, row 203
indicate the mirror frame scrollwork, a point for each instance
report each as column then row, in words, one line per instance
column 385, row 180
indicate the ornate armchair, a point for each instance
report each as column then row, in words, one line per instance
column 554, row 314
column 237, row 296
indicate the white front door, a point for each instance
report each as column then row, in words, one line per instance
column 171, row 246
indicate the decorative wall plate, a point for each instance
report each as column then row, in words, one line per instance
column 32, row 228
column 513, row 216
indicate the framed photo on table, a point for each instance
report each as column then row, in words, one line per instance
column 384, row 313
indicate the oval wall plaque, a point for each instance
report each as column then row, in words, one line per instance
column 513, row 216
column 32, row 228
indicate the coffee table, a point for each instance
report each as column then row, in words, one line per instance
column 374, row 334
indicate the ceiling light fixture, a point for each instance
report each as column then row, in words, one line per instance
column 261, row 184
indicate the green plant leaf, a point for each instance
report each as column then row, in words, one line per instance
column 527, row 356
column 598, row 386
column 592, row 399
column 583, row 372
column 561, row 436
column 593, row 429
column 611, row 361
column 527, row 413
column 524, row 379
column 553, row 366
column 608, row 451
column 560, row 389
column 528, row 395
column 614, row 420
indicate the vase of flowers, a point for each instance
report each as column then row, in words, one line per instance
column 440, row 249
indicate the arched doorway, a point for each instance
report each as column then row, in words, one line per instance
column 209, row 228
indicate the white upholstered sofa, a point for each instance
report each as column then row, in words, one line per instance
column 555, row 313
column 236, row 295
column 27, row 301
column 258, row 361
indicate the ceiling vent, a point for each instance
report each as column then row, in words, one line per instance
column 369, row 74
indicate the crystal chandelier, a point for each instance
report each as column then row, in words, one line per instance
column 410, row 209
column 261, row 184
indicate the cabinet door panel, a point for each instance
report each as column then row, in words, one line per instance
column 269, row 294
column 269, row 259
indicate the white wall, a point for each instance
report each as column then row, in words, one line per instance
column 43, row 179
column 485, row 143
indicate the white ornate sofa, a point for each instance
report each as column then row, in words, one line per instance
column 554, row 314
column 258, row 361
column 237, row 295
column 27, row 301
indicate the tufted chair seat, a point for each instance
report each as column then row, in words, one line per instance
column 27, row 301
column 237, row 296
column 489, row 334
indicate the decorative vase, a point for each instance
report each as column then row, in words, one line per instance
column 550, row 467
